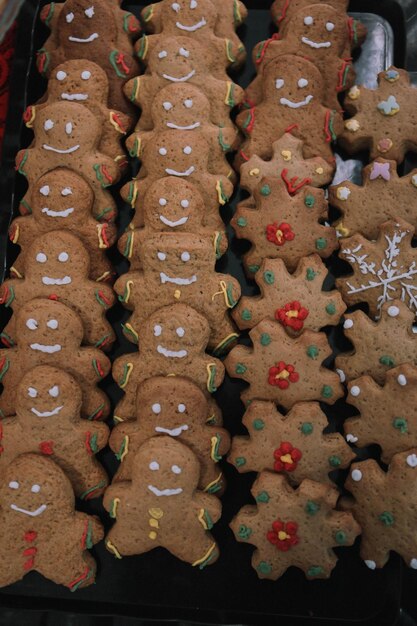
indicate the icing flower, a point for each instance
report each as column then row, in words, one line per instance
column 292, row 315
column 279, row 234
column 286, row 457
column 283, row 535
column 281, row 375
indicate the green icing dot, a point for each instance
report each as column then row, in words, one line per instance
column 265, row 339
column 331, row 309
column 310, row 274
column 240, row 461
column 240, row 368
column 246, row 315
column 253, row 269
column 264, row 568
column 316, row 570
column 263, row 496
column 265, row 190
column 321, row 243
column 400, row 424
column 335, row 461
column 340, row 537
column 258, row 424
column 244, row 532
column 386, row 518
column 327, row 391
column 312, row 352
column 387, row 360
column 269, row 277
column 306, row 428
column 312, row 507
column 309, row 201
column 242, row 222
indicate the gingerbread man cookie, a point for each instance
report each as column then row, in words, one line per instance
column 47, row 421
column 382, row 196
column 283, row 226
column 293, row 445
column 384, row 119
column 171, row 205
column 178, row 408
column 296, row 301
column 292, row 92
column 162, row 506
column 50, row 333
column 283, row 369
column 383, row 270
column 181, row 268
column 294, row 528
column 378, row 346
column 173, row 341
column 63, row 199
column 41, row 530
column 57, row 266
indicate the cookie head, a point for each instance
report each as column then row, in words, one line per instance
column 176, row 60
column 57, row 259
column 173, row 204
column 46, row 393
column 79, row 81
column 190, row 16
column 66, row 129
column 319, row 28
column 60, row 197
column 84, row 25
column 166, row 468
column 47, row 327
column 295, row 90
column 182, row 156
column 178, row 260
column 181, row 107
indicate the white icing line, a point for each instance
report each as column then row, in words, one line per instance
column 179, row 80
column 188, row 172
column 176, row 354
column 193, row 28
column 167, row 222
column 58, row 151
column 190, row 127
column 74, row 96
column 296, row 105
column 164, row 492
column 314, row 44
column 47, row 413
column 48, row 349
column 89, row 39
column 38, row 511
column 56, row 281
column 174, row 432
column 63, row 213
column 177, row 281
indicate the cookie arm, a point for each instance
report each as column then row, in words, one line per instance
column 103, row 171
column 95, row 435
column 113, row 495
column 137, row 142
column 141, row 90
column 214, row 372
column 89, row 529
column 94, row 364
column 151, row 16
column 211, row 506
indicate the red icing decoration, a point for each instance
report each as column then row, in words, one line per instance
column 279, row 234
column 292, row 457
column 292, row 185
column 281, row 375
column 279, row 529
column 46, row 447
column 30, row 536
column 292, row 315
column 120, row 60
column 4, row 294
column 53, row 296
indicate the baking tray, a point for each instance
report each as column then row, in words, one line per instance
column 156, row 586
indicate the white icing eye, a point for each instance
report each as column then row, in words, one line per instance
column 175, row 7
column 308, row 21
column 14, row 485
column 69, row 17
column 161, row 256
column 187, row 150
column 89, row 12
column 193, row 4
column 183, row 52
column 176, row 469
column 157, row 330
column 181, row 408
column 156, row 408
column 162, row 202
column 35, row 489
column 61, row 75
column 86, row 75
column 154, row 466
column 66, row 192
column 188, row 103
column 279, row 83
column 180, row 332
column 45, row 190
column 54, row 391
column 53, row 324
column 63, row 257
column 185, row 256
column 32, row 324
column 163, row 151
column 167, row 106
column 41, row 257
column 48, row 125
column 330, row 26
column 303, row 82
column 68, row 128
column 162, row 54
column 32, row 392
column 185, row 204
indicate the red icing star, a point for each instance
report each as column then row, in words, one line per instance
column 292, row 315
column 286, row 457
column 283, row 535
column 281, row 375
column 279, row 234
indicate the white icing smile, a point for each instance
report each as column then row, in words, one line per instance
column 38, row 511
column 177, row 281
column 188, row 172
column 179, row 80
column 164, row 492
column 295, row 105
column 175, row 354
column 314, row 44
column 74, row 96
column 47, row 413
column 174, row 432
column 43, row 348
column 167, row 222
column 89, row 39
column 194, row 27
column 190, row 127
column 58, row 151
column 63, row 213
column 56, row 281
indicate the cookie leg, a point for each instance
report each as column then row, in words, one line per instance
column 196, row 547
column 121, row 545
column 75, row 573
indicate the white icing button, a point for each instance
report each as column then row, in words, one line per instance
column 187, row 150
column 185, row 204
column 355, row 390
column 63, row 257
column 61, row 75
column 348, row 324
column 45, row 190
column 167, row 106
column 393, row 311
column 52, row 324
column 163, row 151
column 279, row 83
column 86, row 75
column 402, row 380
column 180, row 332
column 356, row 475
column 41, row 257
column 153, row 465
column 14, row 484
column 351, row 438
column 35, row 489
column 303, row 82
column 413, row 563
column 181, row 408
column 185, row 256
column 54, row 391
column 32, row 392
column 156, row 408
column 412, row 460
column 342, row 375
column 370, row 564
column 157, row 330
column 308, row 21
column 176, row 469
